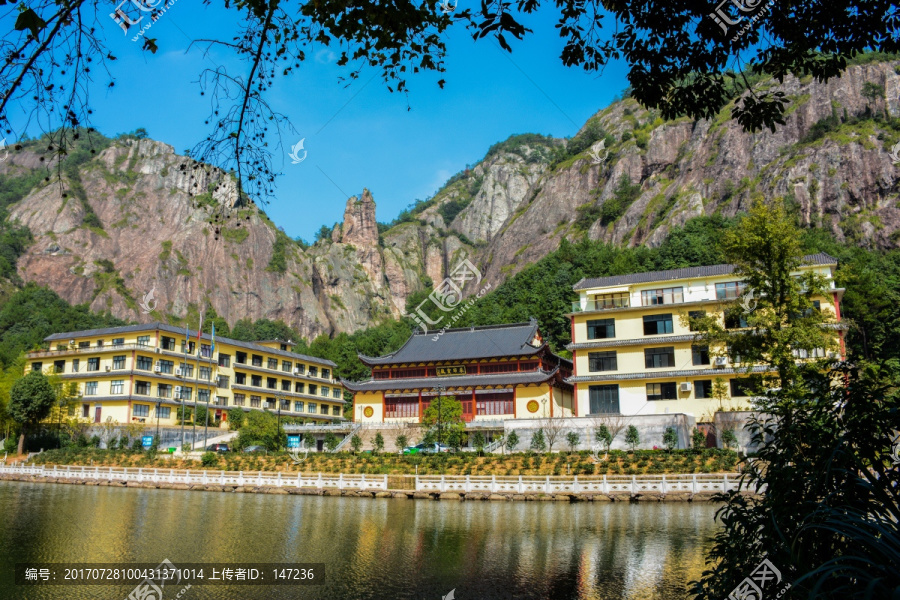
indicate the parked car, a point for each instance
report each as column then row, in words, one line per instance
column 426, row 449
column 217, row 448
column 420, row 448
column 251, row 449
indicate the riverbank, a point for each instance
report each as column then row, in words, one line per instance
column 529, row 464
column 677, row 488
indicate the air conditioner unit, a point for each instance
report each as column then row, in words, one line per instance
column 177, row 390
column 157, row 369
column 685, row 386
column 158, row 350
column 108, row 368
column 721, row 361
column 179, row 372
column 296, row 371
column 71, row 342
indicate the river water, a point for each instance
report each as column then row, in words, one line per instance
column 381, row 548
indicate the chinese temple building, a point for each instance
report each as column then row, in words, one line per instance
column 497, row 372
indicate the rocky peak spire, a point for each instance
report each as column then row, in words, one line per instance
column 360, row 227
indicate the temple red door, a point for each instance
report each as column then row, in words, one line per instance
column 468, row 409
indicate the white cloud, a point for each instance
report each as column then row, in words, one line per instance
column 325, row 56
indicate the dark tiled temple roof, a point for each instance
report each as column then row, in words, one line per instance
column 515, row 378
column 687, row 273
column 464, row 343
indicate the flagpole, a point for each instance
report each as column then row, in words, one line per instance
column 182, row 391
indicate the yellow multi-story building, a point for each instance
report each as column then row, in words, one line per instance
column 634, row 354
column 144, row 373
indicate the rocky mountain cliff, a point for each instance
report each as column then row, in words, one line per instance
column 134, row 218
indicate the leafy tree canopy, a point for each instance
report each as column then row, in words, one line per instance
column 680, row 57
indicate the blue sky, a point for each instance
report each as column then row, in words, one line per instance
column 362, row 135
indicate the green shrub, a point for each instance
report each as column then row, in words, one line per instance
column 209, row 459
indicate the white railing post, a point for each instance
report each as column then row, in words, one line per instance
column 140, row 474
column 575, row 485
column 663, row 484
column 521, row 485
column 468, row 485
column 320, row 484
column 82, row 471
column 155, row 475
column 259, row 478
column 493, row 484
column 633, row 485
column 605, row 485
column 547, row 485
column 240, row 478
column 279, row 479
column 385, row 482
column 694, row 483
column 443, row 487
column 222, row 478
column 362, row 482
column 340, row 481
column 417, row 482
column 171, row 475
column 724, row 483
column 205, row 480
column 299, row 480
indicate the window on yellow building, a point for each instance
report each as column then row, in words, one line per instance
column 700, row 355
column 662, row 391
column 658, row 358
column 658, row 324
column 603, row 399
column 703, row 388
column 599, row 329
column 602, row 361
column 672, row 295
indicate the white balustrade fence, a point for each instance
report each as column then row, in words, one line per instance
column 635, row 484
column 241, row 478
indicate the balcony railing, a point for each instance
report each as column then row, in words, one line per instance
column 593, row 305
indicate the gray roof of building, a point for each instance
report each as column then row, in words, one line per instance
column 516, row 378
column 192, row 333
column 490, row 341
column 687, row 273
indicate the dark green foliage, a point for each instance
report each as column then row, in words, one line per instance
column 698, row 440
column 625, row 194
column 356, row 443
column 478, row 442
column 379, row 442
column 278, row 262
column 31, row 399
column 246, row 330
column 34, row 312
column 209, row 459
column 331, row 441
column 235, row 418
column 603, row 435
column 324, row 233
column 538, row 443
column 670, row 438
column 260, row 428
column 512, row 440
column 200, row 414
column 729, row 438
column 450, row 209
column 632, row 437
column 402, row 442
column 573, row 438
